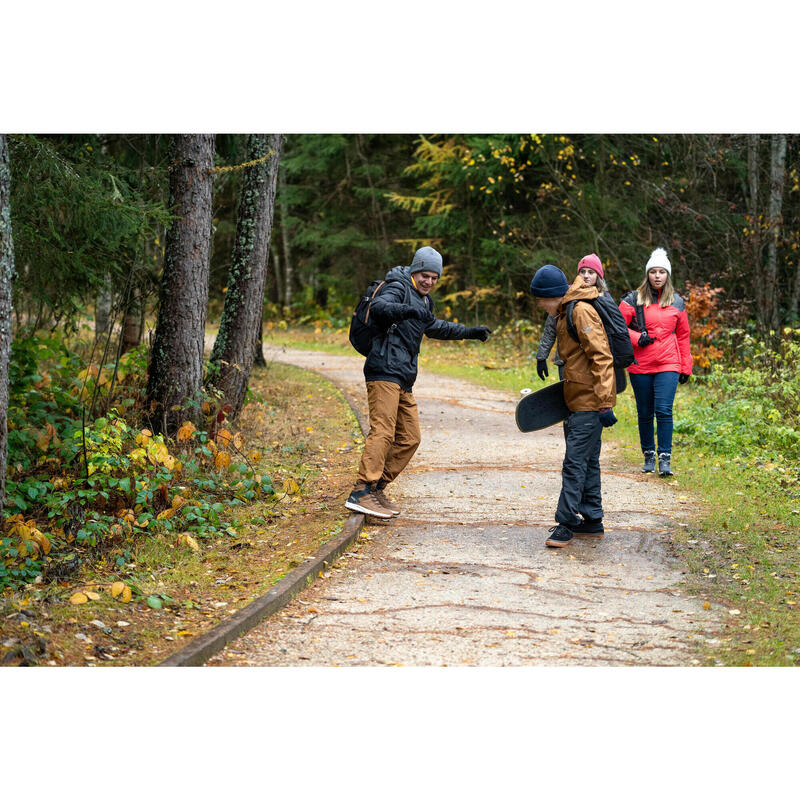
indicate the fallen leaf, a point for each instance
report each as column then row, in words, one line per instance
column 92, row 595
column 117, row 588
column 78, row 598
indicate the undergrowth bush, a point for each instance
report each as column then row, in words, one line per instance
column 78, row 485
column 749, row 411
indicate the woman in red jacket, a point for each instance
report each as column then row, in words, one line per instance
column 659, row 330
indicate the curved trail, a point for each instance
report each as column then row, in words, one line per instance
column 463, row 577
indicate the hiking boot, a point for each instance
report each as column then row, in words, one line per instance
column 363, row 501
column 384, row 500
column 649, row 461
column 589, row 527
column 560, row 536
column 663, row 465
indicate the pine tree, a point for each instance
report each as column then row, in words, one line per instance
column 176, row 365
column 234, row 348
column 6, row 283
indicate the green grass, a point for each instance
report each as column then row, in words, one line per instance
column 740, row 550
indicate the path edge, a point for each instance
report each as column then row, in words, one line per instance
column 208, row 644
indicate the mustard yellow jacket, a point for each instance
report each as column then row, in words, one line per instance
column 589, row 382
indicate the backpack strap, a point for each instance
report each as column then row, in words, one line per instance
column 372, row 297
column 639, row 311
column 570, row 324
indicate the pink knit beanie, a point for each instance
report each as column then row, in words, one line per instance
column 591, row 262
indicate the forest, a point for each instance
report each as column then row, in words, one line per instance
column 139, row 274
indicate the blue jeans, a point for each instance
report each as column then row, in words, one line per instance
column 655, row 393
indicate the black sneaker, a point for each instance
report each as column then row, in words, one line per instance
column 560, row 536
column 589, row 527
column 663, row 465
column 649, row 461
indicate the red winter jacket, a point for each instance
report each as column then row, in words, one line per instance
column 669, row 327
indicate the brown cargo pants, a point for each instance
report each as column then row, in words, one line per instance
column 394, row 433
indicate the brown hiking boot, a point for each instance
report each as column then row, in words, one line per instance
column 363, row 501
column 384, row 500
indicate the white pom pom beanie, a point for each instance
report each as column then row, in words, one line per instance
column 658, row 258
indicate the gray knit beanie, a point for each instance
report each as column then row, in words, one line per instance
column 426, row 258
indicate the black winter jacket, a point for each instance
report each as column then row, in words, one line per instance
column 393, row 356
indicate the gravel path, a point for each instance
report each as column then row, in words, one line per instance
column 463, row 576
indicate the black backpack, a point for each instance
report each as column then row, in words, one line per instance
column 362, row 329
column 619, row 339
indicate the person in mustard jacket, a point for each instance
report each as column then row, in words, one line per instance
column 659, row 329
column 590, row 394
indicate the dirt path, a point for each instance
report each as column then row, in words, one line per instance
column 463, row 577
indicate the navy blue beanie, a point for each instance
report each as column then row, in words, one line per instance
column 549, row 281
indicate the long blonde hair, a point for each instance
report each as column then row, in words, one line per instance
column 644, row 294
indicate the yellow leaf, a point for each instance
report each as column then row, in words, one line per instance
column 178, row 501
column 189, row 541
column 167, row 513
column 43, row 442
column 290, row 486
column 222, row 461
column 20, row 529
column 206, row 407
column 92, row 595
column 42, row 541
column 706, row 605
column 254, row 455
column 126, row 595
column 117, row 588
column 238, row 441
column 144, row 436
column 185, row 431
column 223, row 438
column 78, row 598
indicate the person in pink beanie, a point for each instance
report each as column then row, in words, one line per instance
column 590, row 269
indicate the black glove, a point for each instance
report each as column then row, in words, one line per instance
column 683, row 378
column 422, row 313
column 481, row 332
column 645, row 339
column 541, row 368
column 607, row 418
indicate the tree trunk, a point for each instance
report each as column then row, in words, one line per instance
column 132, row 321
column 287, row 253
column 777, row 174
column 102, row 309
column 794, row 307
column 277, row 273
column 6, row 287
column 258, row 356
column 235, row 346
column 176, row 364
column 754, row 239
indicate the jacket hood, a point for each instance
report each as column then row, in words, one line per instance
column 402, row 274
column 579, row 291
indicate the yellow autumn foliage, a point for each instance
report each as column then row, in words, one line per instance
column 185, row 431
